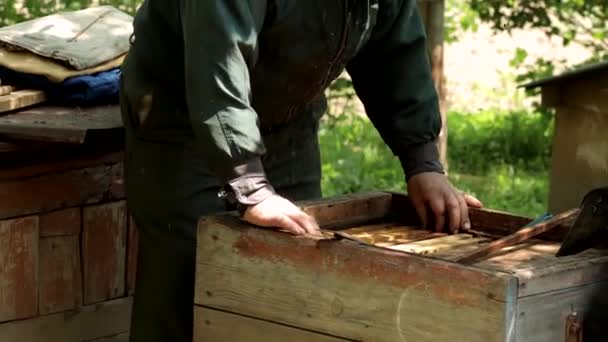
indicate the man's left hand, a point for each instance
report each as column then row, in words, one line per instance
column 434, row 190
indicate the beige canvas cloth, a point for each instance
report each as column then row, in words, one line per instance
column 83, row 39
column 30, row 63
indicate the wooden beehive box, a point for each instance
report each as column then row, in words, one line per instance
column 579, row 156
column 397, row 283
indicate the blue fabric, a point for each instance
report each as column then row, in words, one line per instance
column 87, row 90
column 540, row 219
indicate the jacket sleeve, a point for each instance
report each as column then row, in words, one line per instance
column 220, row 48
column 392, row 76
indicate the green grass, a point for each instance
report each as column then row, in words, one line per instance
column 501, row 158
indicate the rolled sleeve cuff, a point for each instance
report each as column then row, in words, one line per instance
column 247, row 184
column 419, row 159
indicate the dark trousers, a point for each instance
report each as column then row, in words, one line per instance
column 169, row 188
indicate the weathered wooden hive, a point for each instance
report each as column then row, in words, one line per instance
column 388, row 280
column 580, row 143
column 67, row 250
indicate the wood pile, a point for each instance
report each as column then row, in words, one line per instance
column 13, row 98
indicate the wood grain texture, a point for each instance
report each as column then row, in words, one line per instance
column 348, row 210
column 57, row 159
column 539, row 271
column 55, row 191
column 104, row 242
column 18, row 268
column 6, row 89
column 542, row 318
column 212, row 325
column 378, row 228
column 20, row 99
column 435, row 245
column 453, row 254
column 519, row 236
column 579, row 158
column 490, row 221
column 86, row 324
column 61, row 222
column 346, row 289
column 384, row 235
column 60, row 274
column 60, row 124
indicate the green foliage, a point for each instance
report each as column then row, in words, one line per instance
column 459, row 17
column 581, row 21
column 355, row 157
column 507, row 188
column 478, row 143
column 584, row 22
column 14, row 11
column 502, row 158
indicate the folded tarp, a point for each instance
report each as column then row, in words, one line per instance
column 29, row 63
column 86, row 90
column 83, row 39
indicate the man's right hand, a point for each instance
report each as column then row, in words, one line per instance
column 278, row 212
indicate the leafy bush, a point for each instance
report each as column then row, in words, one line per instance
column 14, row 11
column 485, row 140
column 502, row 158
column 355, row 158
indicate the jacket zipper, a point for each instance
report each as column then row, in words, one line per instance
column 339, row 53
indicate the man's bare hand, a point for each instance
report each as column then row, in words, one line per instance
column 278, row 212
column 433, row 190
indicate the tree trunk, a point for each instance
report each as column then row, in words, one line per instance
column 433, row 12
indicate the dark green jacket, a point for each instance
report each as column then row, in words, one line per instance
column 235, row 70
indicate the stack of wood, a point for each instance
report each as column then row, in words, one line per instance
column 12, row 98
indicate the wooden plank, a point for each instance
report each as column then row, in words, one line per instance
column 55, row 191
column 374, row 228
column 486, row 220
column 212, row 325
column 104, row 241
column 551, row 96
column 63, row 159
column 343, row 288
column 87, row 323
column 539, row 271
column 18, row 268
column 435, row 245
column 61, row 223
column 519, row 236
column 6, row 89
column 542, row 318
column 60, row 124
column 587, row 94
column 579, row 159
column 394, row 236
column 349, row 210
column 12, row 149
column 457, row 253
column 60, row 274
column 21, row 99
